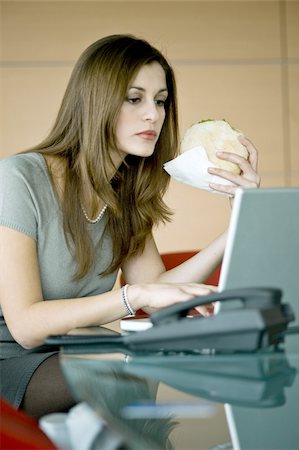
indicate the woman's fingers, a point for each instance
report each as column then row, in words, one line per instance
column 194, row 289
column 248, row 178
column 161, row 295
column 206, row 310
column 252, row 151
column 248, row 175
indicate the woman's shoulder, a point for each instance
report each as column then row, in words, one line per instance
column 24, row 170
column 22, row 162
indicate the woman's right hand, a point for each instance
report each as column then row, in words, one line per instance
column 152, row 297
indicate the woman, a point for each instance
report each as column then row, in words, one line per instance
column 82, row 204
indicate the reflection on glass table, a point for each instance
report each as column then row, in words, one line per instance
column 175, row 400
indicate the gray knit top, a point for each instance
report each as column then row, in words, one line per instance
column 28, row 204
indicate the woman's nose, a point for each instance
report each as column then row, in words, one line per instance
column 151, row 112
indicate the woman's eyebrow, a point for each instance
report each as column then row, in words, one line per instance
column 143, row 90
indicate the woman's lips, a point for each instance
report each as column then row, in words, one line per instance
column 149, row 135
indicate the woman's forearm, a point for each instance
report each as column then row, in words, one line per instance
column 46, row 317
column 199, row 267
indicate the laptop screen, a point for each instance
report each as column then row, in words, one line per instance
column 263, row 251
column 263, row 243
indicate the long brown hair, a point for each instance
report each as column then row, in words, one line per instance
column 86, row 126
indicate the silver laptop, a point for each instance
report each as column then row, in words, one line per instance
column 263, row 243
column 263, row 251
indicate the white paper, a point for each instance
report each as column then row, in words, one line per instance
column 191, row 167
column 75, row 430
column 54, row 426
column 83, row 426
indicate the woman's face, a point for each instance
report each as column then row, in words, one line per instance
column 143, row 112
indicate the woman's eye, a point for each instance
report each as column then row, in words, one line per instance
column 160, row 102
column 133, row 100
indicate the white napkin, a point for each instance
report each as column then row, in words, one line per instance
column 191, row 167
column 75, row 430
column 55, row 427
column 83, row 425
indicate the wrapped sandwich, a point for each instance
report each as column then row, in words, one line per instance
column 215, row 136
column 198, row 149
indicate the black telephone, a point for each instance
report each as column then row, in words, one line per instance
column 259, row 321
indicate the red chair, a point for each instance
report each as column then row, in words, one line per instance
column 174, row 259
column 18, row 431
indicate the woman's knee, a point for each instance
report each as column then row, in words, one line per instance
column 47, row 390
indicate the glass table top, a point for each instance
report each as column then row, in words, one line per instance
column 190, row 400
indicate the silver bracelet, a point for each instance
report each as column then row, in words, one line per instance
column 129, row 308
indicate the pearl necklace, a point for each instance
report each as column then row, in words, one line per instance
column 98, row 218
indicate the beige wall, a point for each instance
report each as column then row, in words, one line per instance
column 237, row 60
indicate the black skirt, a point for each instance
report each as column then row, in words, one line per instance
column 16, row 372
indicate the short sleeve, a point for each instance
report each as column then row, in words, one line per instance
column 17, row 200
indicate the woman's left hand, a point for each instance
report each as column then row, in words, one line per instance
column 248, row 177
